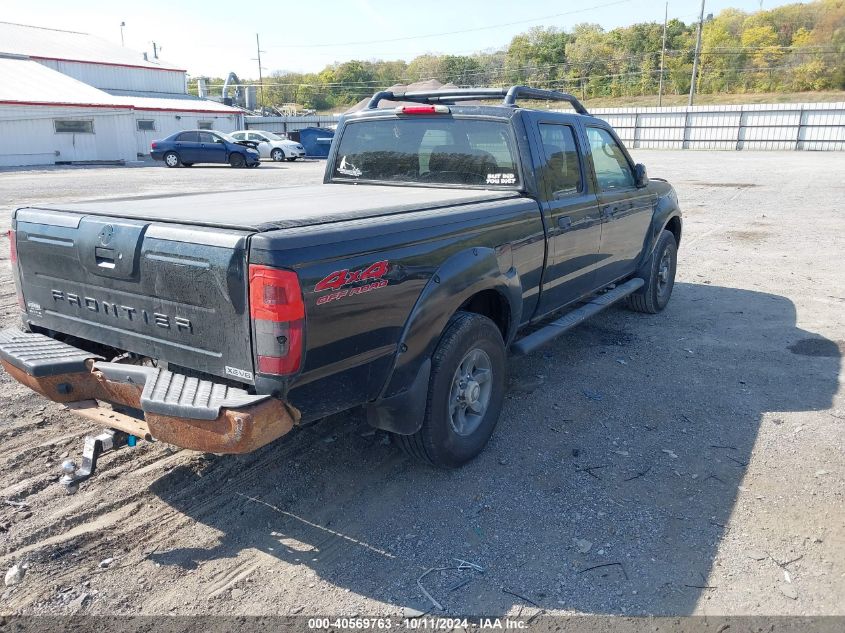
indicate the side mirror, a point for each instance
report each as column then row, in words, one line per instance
column 640, row 175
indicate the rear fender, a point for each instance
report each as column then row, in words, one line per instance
column 401, row 407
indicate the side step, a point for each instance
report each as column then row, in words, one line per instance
column 537, row 339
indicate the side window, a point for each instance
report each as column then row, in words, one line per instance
column 562, row 173
column 612, row 168
column 255, row 137
column 188, row 137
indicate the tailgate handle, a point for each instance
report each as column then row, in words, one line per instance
column 104, row 257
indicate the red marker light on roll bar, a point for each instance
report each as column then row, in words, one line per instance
column 423, row 109
column 278, row 316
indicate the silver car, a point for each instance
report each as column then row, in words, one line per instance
column 271, row 145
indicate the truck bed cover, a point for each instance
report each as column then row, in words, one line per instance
column 279, row 208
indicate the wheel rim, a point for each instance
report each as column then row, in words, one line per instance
column 237, row 160
column 171, row 160
column 664, row 272
column 278, row 155
column 469, row 396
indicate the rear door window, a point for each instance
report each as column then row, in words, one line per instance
column 562, row 172
column 188, row 137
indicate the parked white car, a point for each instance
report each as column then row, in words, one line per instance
column 271, row 145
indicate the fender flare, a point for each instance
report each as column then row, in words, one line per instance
column 401, row 405
column 665, row 210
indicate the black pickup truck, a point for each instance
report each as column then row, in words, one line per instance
column 445, row 230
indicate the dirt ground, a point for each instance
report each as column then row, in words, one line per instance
column 685, row 463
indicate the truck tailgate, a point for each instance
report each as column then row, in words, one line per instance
column 172, row 292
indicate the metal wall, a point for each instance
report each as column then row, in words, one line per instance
column 29, row 136
column 107, row 77
column 285, row 124
column 782, row 126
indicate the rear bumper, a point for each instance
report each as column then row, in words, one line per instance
column 180, row 410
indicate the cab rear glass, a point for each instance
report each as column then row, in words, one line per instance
column 428, row 150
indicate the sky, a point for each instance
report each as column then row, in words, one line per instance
column 213, row 37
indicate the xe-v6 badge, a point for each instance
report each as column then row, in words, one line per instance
column 336, row 281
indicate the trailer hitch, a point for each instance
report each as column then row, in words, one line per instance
column 95, row 445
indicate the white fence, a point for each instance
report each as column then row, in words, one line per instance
column 779, row 126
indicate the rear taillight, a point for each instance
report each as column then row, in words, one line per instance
column 13, row 260
column 154, row 145
column 278, row 316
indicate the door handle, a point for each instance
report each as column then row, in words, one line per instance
column 564, row 222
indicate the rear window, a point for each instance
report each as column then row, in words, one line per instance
column 428, row 150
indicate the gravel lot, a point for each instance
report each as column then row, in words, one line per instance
column 689, row 462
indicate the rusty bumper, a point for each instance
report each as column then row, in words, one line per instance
column 186, row 412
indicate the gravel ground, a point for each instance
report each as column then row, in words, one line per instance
column 683, row 463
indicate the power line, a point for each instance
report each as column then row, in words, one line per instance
column 472, row 30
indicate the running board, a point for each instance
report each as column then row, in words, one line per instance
column 537, row 339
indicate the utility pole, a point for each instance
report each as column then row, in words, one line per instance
column 697, row 53
column 662, row 58
column 155, row 51
column 122, row 24
column 260, row 76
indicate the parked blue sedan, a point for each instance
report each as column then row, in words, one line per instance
column 203, row 146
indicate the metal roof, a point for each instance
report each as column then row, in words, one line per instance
column 171, row 101
column 54, row 44
column 26, row 82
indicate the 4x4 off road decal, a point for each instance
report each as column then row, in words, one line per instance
column 338, row 279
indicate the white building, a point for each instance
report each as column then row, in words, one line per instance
column 72, row 97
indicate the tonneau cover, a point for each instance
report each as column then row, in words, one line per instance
column 283, row 207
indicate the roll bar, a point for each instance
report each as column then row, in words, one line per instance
column 466, row 94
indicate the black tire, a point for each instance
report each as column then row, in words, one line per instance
column 237, row 160
column 277, row 155
column 659, row 275
column 171, row 159
column 439, row 441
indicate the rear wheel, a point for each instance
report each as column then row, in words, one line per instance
column 659, row 275
column 171, row 159
column 465, row 393
column 277, row 155
column 237, row 160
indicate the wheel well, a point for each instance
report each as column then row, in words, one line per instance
column 674, row 226
column 492, row 305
